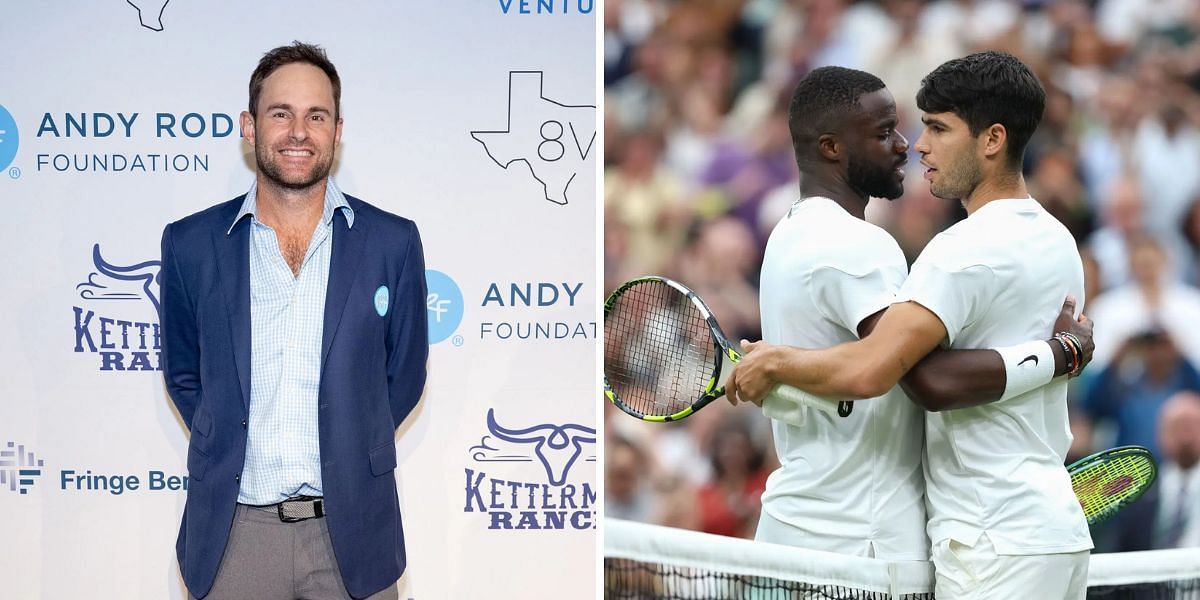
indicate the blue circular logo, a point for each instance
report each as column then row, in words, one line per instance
column 9, row 140
column 381, row 300
column 444, row 305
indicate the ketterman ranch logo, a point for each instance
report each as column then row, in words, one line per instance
column 118, row 321
column 541, row 493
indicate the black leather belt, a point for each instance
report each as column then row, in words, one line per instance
column 298, row 509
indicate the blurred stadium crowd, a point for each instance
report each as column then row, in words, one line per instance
column 699, row 168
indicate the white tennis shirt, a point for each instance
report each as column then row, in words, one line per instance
column 849, row 485
column 999, row 278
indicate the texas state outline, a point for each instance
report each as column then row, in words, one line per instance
column 544, row 131
column 150, row 12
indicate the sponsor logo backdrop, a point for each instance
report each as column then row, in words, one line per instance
column 475, row 118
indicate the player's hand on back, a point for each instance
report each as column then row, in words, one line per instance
column 1081, row 328
column 752, row 378
column 1066, row 316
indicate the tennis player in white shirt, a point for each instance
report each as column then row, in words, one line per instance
column 854, row 485
column 1003, row 520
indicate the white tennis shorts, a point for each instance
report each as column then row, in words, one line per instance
column 977, row 573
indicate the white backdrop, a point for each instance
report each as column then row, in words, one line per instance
column 472, row 117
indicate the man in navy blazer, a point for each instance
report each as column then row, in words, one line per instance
column 294, row 344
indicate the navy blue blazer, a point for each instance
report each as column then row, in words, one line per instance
column 372, row 374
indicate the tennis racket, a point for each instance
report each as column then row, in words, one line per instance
column 665, row 356
column 1108, row 481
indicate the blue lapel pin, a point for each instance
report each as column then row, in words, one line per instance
column 381, row 300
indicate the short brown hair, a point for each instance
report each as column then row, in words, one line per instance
column 298, row 52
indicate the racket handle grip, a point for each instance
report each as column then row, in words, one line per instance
column 786, row 403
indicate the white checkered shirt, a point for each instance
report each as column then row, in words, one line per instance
column 287, row 318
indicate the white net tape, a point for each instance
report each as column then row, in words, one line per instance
column 676, row 554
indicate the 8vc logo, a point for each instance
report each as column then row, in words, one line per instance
column 9, row 139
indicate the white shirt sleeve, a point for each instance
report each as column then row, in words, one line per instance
column 856, row 289
column 950, row 284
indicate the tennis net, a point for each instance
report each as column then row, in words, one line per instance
column 648, row 562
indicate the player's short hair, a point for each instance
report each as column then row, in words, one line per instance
column 822, row 101
column 297, row 52
column 987, row 88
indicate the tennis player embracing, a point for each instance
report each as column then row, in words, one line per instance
column 1003, row 520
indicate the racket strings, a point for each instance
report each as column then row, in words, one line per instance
column 663, row 350
column 1106, row 486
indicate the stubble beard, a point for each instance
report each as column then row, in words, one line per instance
column 264, row 158
column 873, row 181
column 958, row 181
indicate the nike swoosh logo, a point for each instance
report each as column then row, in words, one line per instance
column 1032, row 357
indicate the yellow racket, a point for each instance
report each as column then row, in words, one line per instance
column 1108, row 481
column 665, row 356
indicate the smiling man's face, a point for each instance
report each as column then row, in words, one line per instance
column 294, row 130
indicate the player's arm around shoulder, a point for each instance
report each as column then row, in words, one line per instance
column 408, row 330
column 952, row 379
column 859, row 370
column 903, row 335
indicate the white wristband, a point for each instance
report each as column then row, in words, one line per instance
column 1026, row 367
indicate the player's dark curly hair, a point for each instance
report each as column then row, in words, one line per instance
column 984, row 89
column 822, row 101
column 298, row 52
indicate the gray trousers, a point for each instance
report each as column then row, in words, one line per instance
column 267, row 559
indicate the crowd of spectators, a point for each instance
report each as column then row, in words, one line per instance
column 699, row 168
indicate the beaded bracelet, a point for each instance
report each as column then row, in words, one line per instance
column 1068, row 356
column 1077, row 346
